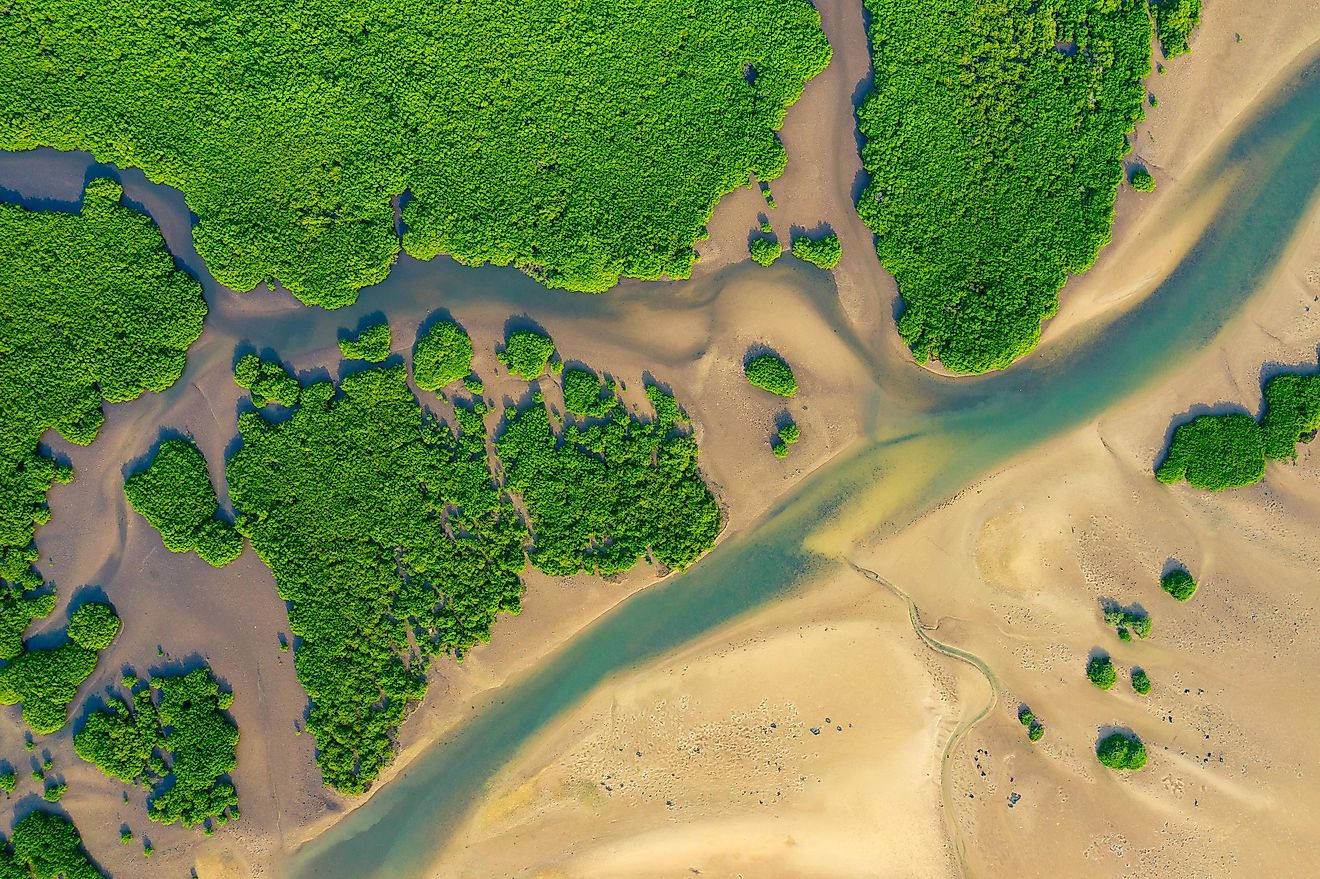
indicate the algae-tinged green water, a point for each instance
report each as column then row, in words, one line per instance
column 932, row 437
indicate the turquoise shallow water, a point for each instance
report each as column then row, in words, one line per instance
column 956, row 429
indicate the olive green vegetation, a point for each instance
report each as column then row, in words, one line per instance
column 443, row 355
column 994, row 140
column 388, row 538
column 46, row 846
column 1036, row 732
column 1140, row 681
column 601, row 496
column 474, row 386
column 1143, row 180
column 54, row 793
column 1026, row 716
column 45, row 681
column 788, row 434
column 1215, row 452
column 8, row 781
column 767, row 228
column 174, row 493
column 583, row 394
column 579, row 143
column 764, row 250
column 527, row 353
column 372, row 344
column 1127, row 621
column 92, row 309
column 824, row 252
column 1100, row 671
column 266, row 381
column 1121, row 750
column 175, row 741
column 1174, row 22
column 770, row 372
column 1292, row 414
column 1179, row 584
column 1035, row 729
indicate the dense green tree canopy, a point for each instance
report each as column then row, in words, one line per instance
column 1121, row 750
column 178, row 744
column 1174, row 22
column 1140, row 681
column 443, row 354
column 1292, row 414
column 994, row 140
column 1100, row 671
column 764, row 250
column 1179, row 584
column 174, row 493
column 1215, row 452
column 92, row 308
column 527, row 354
column 266, row 381
column 602, row 496
column 824, row 252
column 388, row 537
column 583, row 394
column 579, row 142
column 46, row 681
column 771, row 373
column 46, row 846
column 372, row 344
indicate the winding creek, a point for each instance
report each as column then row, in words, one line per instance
column 932, row 437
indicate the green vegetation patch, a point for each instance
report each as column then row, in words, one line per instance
column 175, row 495
column 1128, row 621
column 1140, row 681
column 579, row 143
column 92, row 309
column 372, row 344
column 764, row 250
column 46, row 681
column 1178, row 583
column 1174, row 22
column 1292, row 414
column 1100, row 671
column 1121, row 750
column 994, row 144
column 174, row 741
column 824, row 252
column 788, row 434
column 770, row 372
column 1215, row 452
column 443, row 355
column 1143, row 180
column 583, row 394
column 46, row 846
column 602, row 496
column 266, row 381
column 527, row 354
column 386, row 534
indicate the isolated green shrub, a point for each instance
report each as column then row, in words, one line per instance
column 779, row 448
column 764, row 250
column 1026, row 716
column 1100, row 671
column 1140, row 681
column 1121, row 750
column 771, row 373
column 8, row 781
column 175, row 495
column 1143, row 180
column 93, row 626
column 789, row 434
column 372, row 344
column 54, row 793
column 1215, row 452
column 1174, row 22
column 1292, row 414
column 601, row 497
column 443, row 355
column 1036, row 732
column 92, row 309
column 266, row 381
column 527, row 353
column 474, row 386
column 824, row 252
column 1179, row 584
column 582, row 394
column 577, row 143
column 994, row 139
column 46, row 846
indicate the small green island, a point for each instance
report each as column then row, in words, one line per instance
column 45, row 680
column 372, row 344
column 772, row 373
column 174, row 493
column 1179, row 583
column 45, row 845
